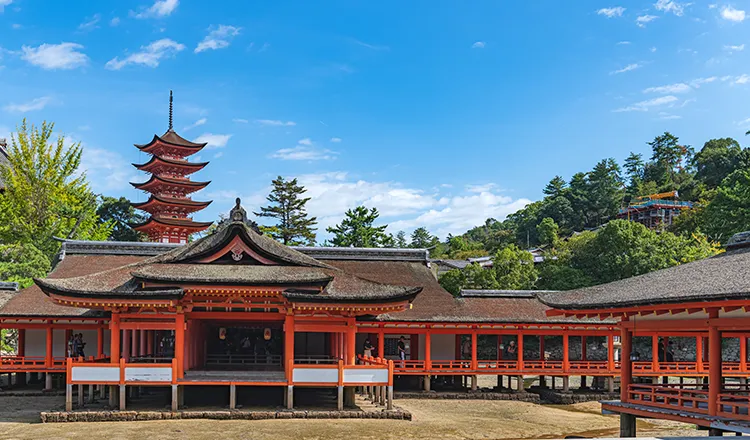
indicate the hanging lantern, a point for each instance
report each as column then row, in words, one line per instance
column 222, row 333
column 267, row 334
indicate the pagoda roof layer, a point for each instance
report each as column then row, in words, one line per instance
column 722, row 277
column 171, row 222
column 171, row 138
column 156, row 200
column 189, row 167
column 155, row 180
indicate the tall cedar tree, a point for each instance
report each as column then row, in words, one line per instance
column 46, row 196
column 357, row 230
column 294, row 226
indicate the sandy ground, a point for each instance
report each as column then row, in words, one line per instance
column 433, row 419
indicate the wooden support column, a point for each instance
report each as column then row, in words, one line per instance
column 655, row 354
column 126, row 344
column 133, row 343
column 114, row 338
column 150, row 342
column 179, row 342
column 541, row 347
column 427, row 359
column 519, row 344
column 21, row 342
column 289, row 346
column 381, row 344
column 48, row 352
column 232, row 396
column 611, row 353
column 626, row 366
column 142, row 343
column 474, row 363
column 699, row 353
column 743, row 353
column 627, row 424
column 714, row 365
column 100, row 342
column 566, row 352
column 351, row 341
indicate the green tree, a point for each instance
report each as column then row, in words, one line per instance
column 294, row 225
column 422, row 239
column 557, row 276
column 120, row 214
column 472, row 276
column 45, row 194
column 555, row 187
column 719, row 158
column 400, row 240
column 357, row 229
column 21, row 262
column 514, row 268
column 548, row 231
column 729, row 211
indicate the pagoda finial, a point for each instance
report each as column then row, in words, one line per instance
column 170, row 110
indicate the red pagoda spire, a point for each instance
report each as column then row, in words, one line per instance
column 170, row 187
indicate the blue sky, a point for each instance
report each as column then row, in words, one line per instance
column 438, row 113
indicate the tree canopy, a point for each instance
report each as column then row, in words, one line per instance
column 358, row 229
column 120, row 214
column 294, row 225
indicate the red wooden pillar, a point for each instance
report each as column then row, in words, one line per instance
column 150, row 342
column 541, row 347
column 427, row 351
column 583, row 348
column 142, row 342
column 21, row 342
column 743, row 353
column 179, row 343
column 699, row 356
column 381, row 344
column 611, row 353
column 48, row 352
column 655, row 353
column 100, row 342
column 289, row 345
column 126, row 344
column 519, row 344
column 351, row 340
column 474, row 363
column 114, row 338
column 626, row 366
column 714, row 365
column 566, row 352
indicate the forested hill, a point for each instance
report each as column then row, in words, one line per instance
column 717, row 177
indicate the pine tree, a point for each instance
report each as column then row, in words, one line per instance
column 400, row 240
column 294, row 226
column 422, row 239
column 357, row 230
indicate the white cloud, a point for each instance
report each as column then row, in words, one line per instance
column 668, row 89
column 335, row 140
column 34, row 104
column 90, row 24
column 644, row 106
column 611, row 12
column 653, row 49
column 107, row 171
column 213, row 140
column 734, row 48
column 218, row 38
column 197, row 123
column 744, row 122
column 480, row 188
column 627, row 68
column 55, row 56
column 218, row 155
column 275, row 123
column 732, row 14
column 240, row 120
column 16, row 26
column 742, row 79
column 643, row 19
column 304, row 150
column 371, row 46
column 115, row 21
column 664, row 116
column 149, row 56
column 478, row 45
column 700, row 81
column 160, row 8
column 623, row 43
column 672, row 6
column 305, row 141
column 4, row 3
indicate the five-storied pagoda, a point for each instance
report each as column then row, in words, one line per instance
column 170, row 187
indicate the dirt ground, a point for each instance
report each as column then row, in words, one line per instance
column 433, row 419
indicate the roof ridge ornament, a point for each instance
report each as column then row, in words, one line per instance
column 239, row 215
column 170, row 111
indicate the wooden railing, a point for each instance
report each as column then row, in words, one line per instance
column 734, row 405
column 370, row 371
column 35, row 363
column 242, row 359
column 676, row 397
column 98, row 373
